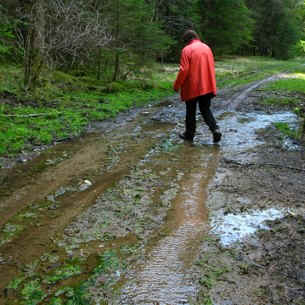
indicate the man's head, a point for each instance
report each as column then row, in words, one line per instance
column 189, row 35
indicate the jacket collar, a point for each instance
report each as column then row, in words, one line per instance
column 193, row 40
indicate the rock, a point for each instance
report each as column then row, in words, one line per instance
column 51, row 198
column 85, row 185
column 2, row 260
column 53, row 207
column 22, row 159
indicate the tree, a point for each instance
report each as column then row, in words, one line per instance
column 75, row 30
column 7, row 36
column 175, row 16
column 226, row 25
column 276, row 27
column 60, row 33
column 137, row 37
column 35, row 45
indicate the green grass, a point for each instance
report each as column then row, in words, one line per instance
column 294, row 84
column 237, row 71
column 282, row 101
column 64, row 105
column 35, row 283
column 63, row 273
column 286, row 130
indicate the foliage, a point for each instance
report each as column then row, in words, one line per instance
column 225, row 24
column 277, row 33
column 137, row 39
column 7, row 35
column 15, row 283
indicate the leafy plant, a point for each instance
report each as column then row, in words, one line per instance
column 15, row 283
column 32, row 293
column 62, row 274
column 285, row 129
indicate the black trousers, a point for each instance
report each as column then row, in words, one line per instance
column 204, row 102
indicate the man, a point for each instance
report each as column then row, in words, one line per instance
column 197, row 84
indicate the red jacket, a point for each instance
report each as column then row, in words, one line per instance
column 196, row 76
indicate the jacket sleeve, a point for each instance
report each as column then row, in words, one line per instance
column 183, row 71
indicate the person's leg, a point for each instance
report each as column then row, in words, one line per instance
column 190, row 119
column 204, row 106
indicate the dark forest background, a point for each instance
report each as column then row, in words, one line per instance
column 113, row 38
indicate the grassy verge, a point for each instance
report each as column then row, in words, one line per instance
column 289, row 92
column 64, row 105
column 237, row 71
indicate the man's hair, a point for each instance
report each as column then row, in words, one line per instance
column 189, row 35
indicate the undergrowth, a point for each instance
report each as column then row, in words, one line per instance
column 64, row 105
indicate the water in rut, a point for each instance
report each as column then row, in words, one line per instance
column 163, row 278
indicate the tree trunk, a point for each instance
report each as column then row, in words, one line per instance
column 35, row 46
column 117, row 42
column 116, row 66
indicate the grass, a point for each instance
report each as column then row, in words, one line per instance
column 237, row 71
column 295, row 83
column 289, row 92
column 281, row 101
column 285, row 129
column 64, row 105
column 36, row 284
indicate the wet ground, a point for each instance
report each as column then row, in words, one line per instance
column 130, row 214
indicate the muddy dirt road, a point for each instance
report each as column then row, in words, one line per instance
column 130, row 214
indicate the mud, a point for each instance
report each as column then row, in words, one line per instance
column 193, row 224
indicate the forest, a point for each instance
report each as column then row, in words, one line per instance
column 112, row 39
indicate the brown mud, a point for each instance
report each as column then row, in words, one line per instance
column 205, row 224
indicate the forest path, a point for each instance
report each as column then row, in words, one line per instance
column 131, row 180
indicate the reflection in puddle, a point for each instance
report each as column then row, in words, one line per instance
column 231, row 228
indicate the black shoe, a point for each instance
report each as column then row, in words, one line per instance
column 185, row 138
column 216, row 136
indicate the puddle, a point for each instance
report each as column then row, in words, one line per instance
column 232, row 228
column 240, row 132
column 290, row 145
column 164, row 280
